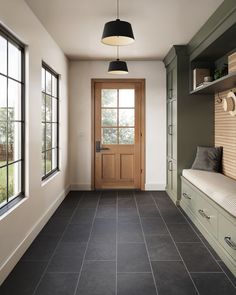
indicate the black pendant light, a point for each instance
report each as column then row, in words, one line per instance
column 118, row 66
column 117, row 32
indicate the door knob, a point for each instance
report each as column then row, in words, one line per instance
column 99, row 148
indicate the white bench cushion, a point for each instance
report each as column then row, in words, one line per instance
column 217, row 186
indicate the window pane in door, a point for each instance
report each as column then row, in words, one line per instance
column 126, row 135
column 126, row 98
column 109, row 117
column 109, row 98
column 48, row 136
column 48, row 108
column 109, row 136
column 48, row 83
column 126, row 117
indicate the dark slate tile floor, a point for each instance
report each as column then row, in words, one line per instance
column 119, row 243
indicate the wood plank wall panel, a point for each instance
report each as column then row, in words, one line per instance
column 225, row 135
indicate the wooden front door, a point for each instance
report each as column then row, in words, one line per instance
column 118, row 137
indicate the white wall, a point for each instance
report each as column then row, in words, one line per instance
column 80, row 75
column 21, row 224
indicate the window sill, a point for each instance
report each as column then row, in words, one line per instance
column 11, row 206
column 50, row 177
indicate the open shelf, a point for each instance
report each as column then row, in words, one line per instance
column 222, row 84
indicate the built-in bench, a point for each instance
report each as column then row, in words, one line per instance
column 209, row 199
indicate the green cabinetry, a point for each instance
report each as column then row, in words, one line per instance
column 189, row 120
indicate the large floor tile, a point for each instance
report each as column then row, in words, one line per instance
column 67, row 258
column 42, row 248
column 213, row 283
column 101, row 250
column 161, row 248
column 182, row 233
column 130, row 233
column 77, row 233
column 97, row 278
column 135, row 284
column 172, row 215
column 228, row 273
column 172, row 278
column 154, row 226
column 23, row 279
column 132, row 258
column 55, row 226
column 197, row 258
column 83, row 216
column 148, row 211
column 88, row 203
column 128, row 215
column 126, row 203
column 57, row 283
column 106, row 212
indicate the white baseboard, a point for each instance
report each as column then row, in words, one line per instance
column 155, row 186
column 16, row 255
column 81, row 187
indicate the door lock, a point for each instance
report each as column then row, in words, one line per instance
column 99, row 148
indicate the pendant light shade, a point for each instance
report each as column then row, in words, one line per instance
column 117, row 33
column 118, row 67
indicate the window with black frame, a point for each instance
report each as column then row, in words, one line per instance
column 50, row 125
column 11, row 119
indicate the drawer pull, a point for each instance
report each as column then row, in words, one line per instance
column 186, row 196
column 203, row 214
column 230, row 243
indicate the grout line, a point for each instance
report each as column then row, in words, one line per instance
column 145, row 243
column 175, row 245
column 203, row 242
column 53, row 253
column 133, row 272
column 85, row 252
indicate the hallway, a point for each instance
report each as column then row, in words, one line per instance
column 125, row 243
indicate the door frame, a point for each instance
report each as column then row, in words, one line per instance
column 142, row 126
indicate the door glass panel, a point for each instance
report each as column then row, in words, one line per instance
column 109, row 98
column 109, row 136
column 126, row 117
column 126, row 135
column 126, row 98
column 109, row 117
column 48, row 136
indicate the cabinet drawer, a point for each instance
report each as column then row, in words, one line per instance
column 202, row 209
column 227, row 235
column 208, row 216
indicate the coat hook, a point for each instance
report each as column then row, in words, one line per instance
column 219, row 100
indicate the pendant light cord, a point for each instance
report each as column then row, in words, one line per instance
column 117, row 9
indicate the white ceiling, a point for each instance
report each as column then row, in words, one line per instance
column 77, row 25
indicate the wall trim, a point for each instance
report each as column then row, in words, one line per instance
column 81, row 187
column 16, row 255
column 155, row 187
